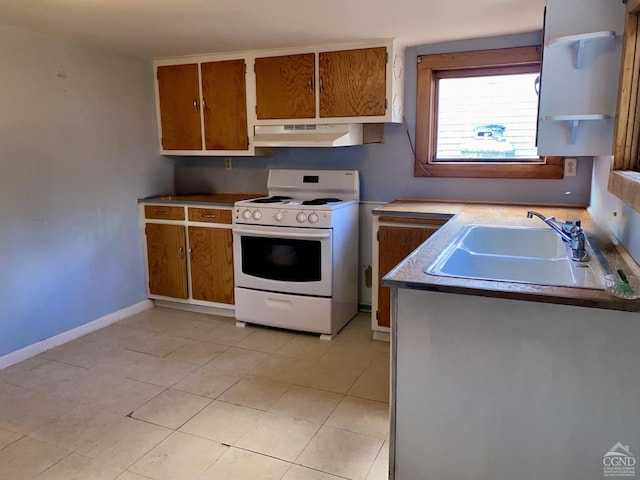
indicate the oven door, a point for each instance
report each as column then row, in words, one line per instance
column 283, row 259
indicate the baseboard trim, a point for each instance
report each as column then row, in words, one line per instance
column 364, row 307
column 192, row 307
column 382, row 336
column 64, row 337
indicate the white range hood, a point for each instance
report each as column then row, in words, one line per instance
column 332, row 135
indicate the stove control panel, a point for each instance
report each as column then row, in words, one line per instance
column 281, row 217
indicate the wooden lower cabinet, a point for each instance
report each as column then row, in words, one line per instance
column 167, row 261
column 397, row 238
column 189, row 254
column 211, row 256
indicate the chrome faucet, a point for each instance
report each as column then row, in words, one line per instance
column 570, row 232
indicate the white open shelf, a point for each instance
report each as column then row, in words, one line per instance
column 574, row 120
column 579, row 41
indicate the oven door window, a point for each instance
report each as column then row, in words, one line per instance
column 283, row 259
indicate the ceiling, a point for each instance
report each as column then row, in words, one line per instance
column 162, row 28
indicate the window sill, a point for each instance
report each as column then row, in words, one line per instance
column 551, row 169
column 625, row 184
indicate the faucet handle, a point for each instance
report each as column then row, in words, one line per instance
column 571, row 227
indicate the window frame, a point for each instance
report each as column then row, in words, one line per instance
column 624, row 178
column 430, row 68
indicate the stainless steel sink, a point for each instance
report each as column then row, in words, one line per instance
column 515, row 254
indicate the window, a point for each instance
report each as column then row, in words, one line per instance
column 477, row 115
column 624, row 180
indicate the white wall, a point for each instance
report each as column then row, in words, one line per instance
column 610, row 212
column 78, row 145
column 496, row 389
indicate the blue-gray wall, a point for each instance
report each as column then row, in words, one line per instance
column 78, row 145
column 387, row 169
column 610, row 213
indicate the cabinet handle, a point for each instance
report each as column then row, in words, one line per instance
column 181, row 252
column 208, row 215
column 162, row 212
column 321, row 85
column 311, row 85
column 204, row 105
column 195, row 105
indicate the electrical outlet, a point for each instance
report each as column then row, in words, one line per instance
column 570, row 167
column 227, row 163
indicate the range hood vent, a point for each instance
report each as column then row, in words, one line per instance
column 331, row 135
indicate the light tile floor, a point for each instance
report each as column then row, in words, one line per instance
column 168, row 394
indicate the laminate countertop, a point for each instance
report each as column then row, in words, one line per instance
column 410, row 273
column 208, row 199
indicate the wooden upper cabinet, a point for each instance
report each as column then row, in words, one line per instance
column 224, row 105
column 167, row 260
column 353, row 82
column 285, row 87
column 211, row 264
column 179, row 99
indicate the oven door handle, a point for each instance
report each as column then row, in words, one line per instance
column 258, row 233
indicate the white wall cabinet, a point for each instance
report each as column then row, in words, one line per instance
column 580, row 70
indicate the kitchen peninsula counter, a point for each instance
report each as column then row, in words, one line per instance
column 508, row 373
column 411, row 272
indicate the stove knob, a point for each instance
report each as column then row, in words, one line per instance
column 279, row 216
column 301, row 217
column 246, row 214
column 257, row 215
column 313, row 218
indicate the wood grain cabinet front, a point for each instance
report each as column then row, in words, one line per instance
column 209, row 98
column 285, row 87
column 353, row 82
column 179, row 102
column 163, row 212
column 395, row 238
column 189, row 261
column 224, row 105
column 211, row 259
column 210, row 215
column 167, row 260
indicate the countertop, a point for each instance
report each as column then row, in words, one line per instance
column 209, row 199
column 410, row 272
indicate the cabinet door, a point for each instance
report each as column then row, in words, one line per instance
column 179, row 99
column 166, row 247
column 395, row 244
column 225, row 105
column 211, row 264
column 285, row 87
column 353, row 82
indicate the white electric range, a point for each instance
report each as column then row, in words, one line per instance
column 296, row 251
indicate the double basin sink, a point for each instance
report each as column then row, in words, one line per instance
column 516, row 254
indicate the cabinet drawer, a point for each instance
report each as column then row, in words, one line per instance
column 163, row 212
column 210, row 215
